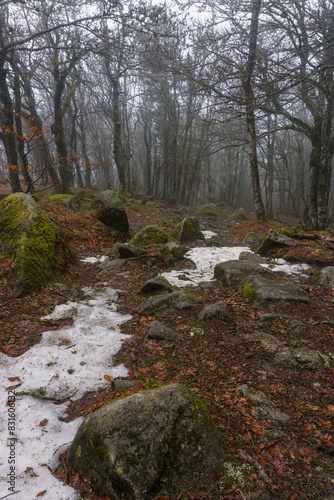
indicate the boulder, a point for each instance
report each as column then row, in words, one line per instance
column 85, row 193
column 262, row 403
column 299, row 358
column 69, row 201
column 251, row 239
column 158, row 331
column 154, row 238
column 261, row 291
column 268, row 341
column 240, row 215
column 232, row 269
column 327, row 276
column 252, row 257
column 214, row 312
column 153, row 443
column 171, row 303
column 108, row 209
column 157, row 284
column 152, row 235
column 273, row 240
column 188, row 230
column 29, row 236
column 125, row 251
column 210, row 209
column 222, row 239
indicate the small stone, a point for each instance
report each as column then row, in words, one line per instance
column 214, row 312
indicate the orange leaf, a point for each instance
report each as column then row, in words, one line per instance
column 109, row 378
column 41, row 493
column 14, row 379
column 64, row 342
column 12, row 387
column 43, row 422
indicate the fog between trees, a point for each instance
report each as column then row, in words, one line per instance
column 234, row 105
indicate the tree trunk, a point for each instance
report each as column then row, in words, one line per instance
column 8, row 131
column 65, row 168
column 250, row 111
column 120, row 156
column 20, row 139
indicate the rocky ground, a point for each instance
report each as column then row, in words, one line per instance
column 266, row 456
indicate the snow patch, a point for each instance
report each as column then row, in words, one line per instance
column 65, row 364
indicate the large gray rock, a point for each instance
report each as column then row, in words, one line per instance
column 109, row 209
column 240, row 214
column 171, row 303
column 299, row 358
column 188, row 230
column 232, row 269
column 252, row 257
column 125, row 251
column 29, row 236
column 263, row 403
column 210, row 209
column 158, row 240
column 157, row 284
column 156, row 442
column 327, row 276
column 251, row 239
column 160, row 332
column 261, row 291
column 222, row 239
column 214, row 312
column 274, row 239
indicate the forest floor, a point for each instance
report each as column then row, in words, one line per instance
column 264, row 458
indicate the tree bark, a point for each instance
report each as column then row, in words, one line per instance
column 250, row 110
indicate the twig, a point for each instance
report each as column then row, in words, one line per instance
column 262, row 473
column 65, row 467
column 10, row 494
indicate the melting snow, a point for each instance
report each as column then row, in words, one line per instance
column 206, row 258
column 66, row 363
column 94, row 260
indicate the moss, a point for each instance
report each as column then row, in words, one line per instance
column 188, row 229
column 240, row 214
column 324, row 233
column 37, row 196
column 248, row 291
column 30, row 238
column 85, row 193
column 210, row 209
column 288, row 230
column 151, row 234
column 59, row 198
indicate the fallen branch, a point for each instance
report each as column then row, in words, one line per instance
column 262, row 473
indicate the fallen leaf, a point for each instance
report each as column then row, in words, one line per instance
column 64, row 342
column 43, row 422
column 12, row 387
column 41, row 493
column 14, row 379
column 109, row 378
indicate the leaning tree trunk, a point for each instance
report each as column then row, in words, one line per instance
column 250, row 110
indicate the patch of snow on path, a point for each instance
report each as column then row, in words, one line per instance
column 66, row 363
column 205, row 259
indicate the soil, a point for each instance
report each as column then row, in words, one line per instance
column 264, row 458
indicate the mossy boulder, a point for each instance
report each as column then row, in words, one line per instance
column 154, row 239
column 68, row 200
column 273, row 239
column 230, row 270
column 251, row 239
column 158, row 442
column 210, row 209
column 32, row 240
column 157, row 284
column 108, row 208
column 125, row 251
column 37, row 196
column 152, row 235
column 188, row 230
column 261, row 291
column 168, row 304
column 222, row 239
column 85, row 193
column 240, row 215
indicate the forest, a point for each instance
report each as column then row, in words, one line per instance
column 226, row 101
